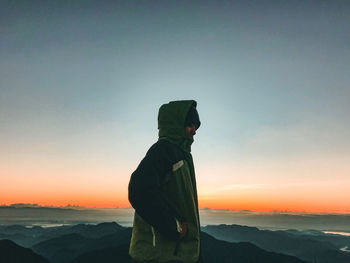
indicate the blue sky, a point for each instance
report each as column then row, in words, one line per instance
column 81, row 84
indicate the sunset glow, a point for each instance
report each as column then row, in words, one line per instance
column 258, row 189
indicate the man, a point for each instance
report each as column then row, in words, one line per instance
column 163, row 191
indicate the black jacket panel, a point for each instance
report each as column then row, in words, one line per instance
column 145, row 188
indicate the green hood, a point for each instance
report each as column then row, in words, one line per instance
column 171, row 122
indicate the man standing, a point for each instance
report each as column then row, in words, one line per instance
column 163, row 191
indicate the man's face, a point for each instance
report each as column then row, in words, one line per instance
column 190, row 131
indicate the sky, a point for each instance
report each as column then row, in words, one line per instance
column 81, row 83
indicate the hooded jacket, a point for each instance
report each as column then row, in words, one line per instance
column 163, row 192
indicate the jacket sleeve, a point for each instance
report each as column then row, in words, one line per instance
column 146, row 195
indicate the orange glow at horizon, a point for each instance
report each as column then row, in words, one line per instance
column 258, row 202
column 225, row 205
column 255, row 187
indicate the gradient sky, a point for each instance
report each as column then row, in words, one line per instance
column 81, row 83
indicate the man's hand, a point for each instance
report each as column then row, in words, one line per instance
column 183, row 232
column 181, row 228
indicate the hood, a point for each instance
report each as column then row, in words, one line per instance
column 171, row 122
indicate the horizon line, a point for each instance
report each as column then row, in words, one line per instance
column 35, row 205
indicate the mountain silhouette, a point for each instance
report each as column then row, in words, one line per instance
column 65, row 248
column 226, row 252
column 29, row 236
column 10, row 252
column 314, row 246
column 94, row 231
column 62, row 249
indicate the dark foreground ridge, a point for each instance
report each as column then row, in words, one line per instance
column 83, row 243
column 10, row 252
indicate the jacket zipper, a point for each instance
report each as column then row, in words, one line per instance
column 179, row 229
column 154, row 236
